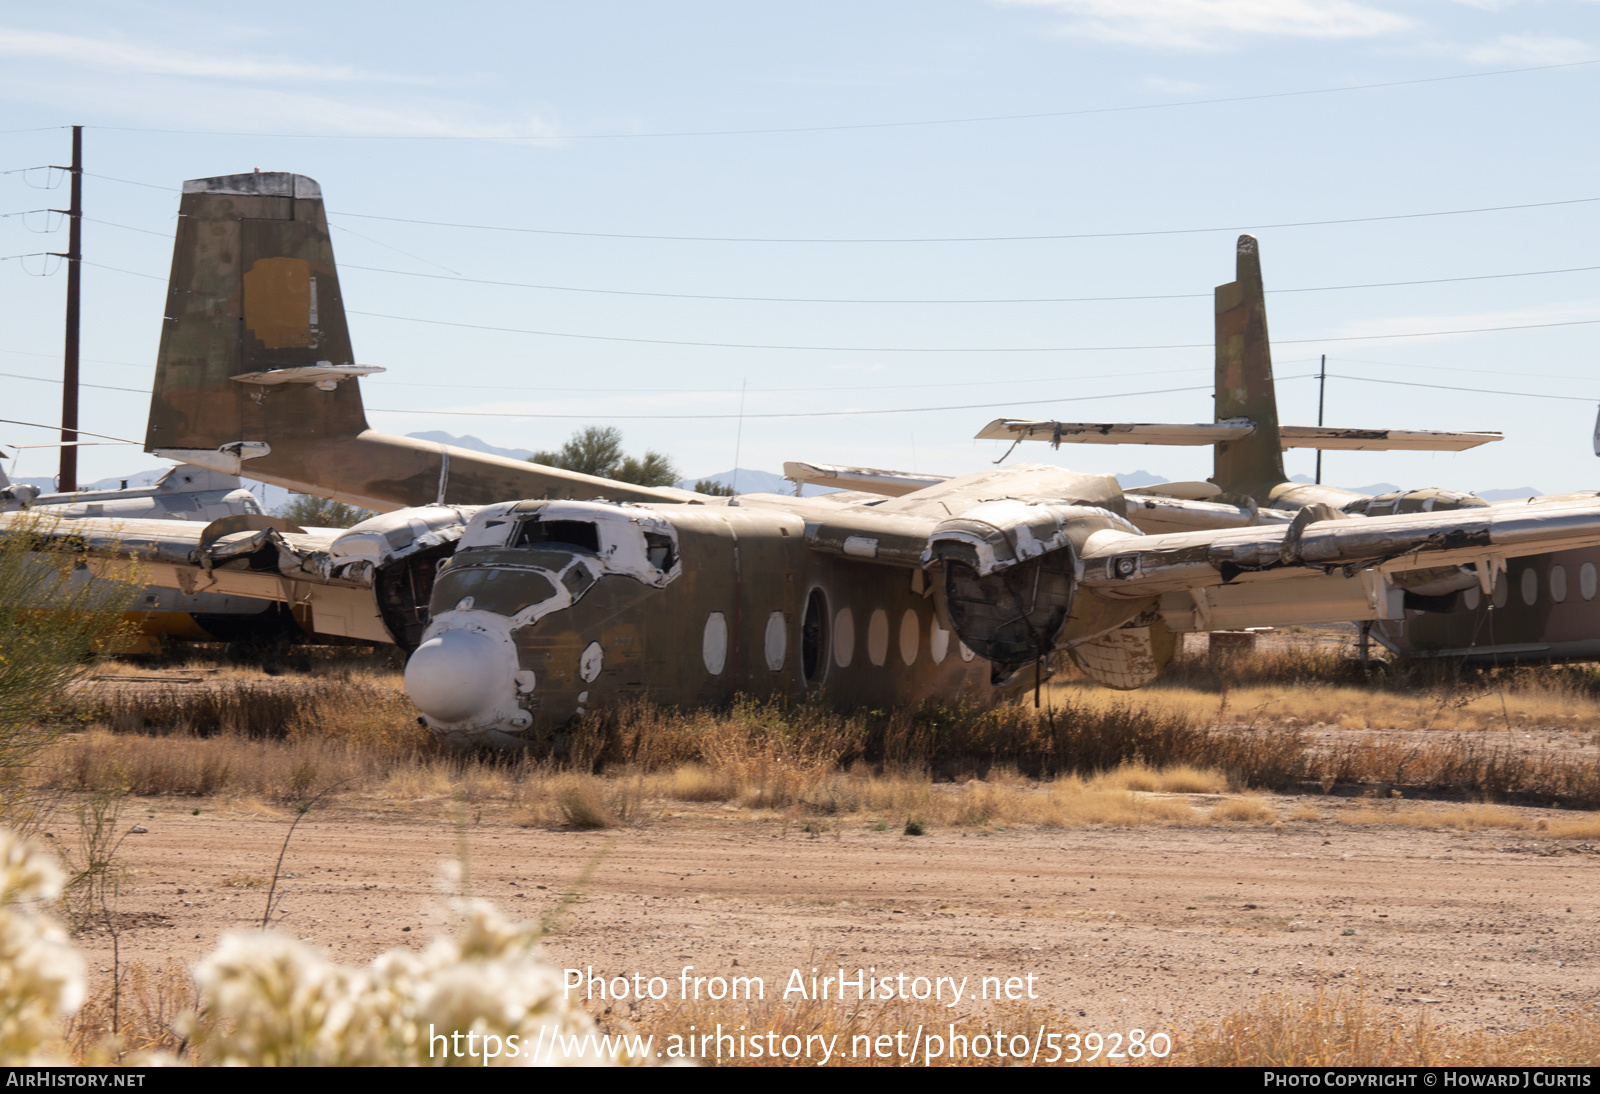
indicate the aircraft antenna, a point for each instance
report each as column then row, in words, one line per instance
column 738, row 438
column 1322, row 391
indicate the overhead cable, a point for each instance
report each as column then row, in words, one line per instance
column 1459, row 368
column 48, row 380
column 800, row 414
column 905, row 239
column 830, row 389
column 119, row 269
column 972, row 120
column 129, row 227
column 975, row 239
column 948, row 349
column 932, row 300
column 85, row 432
column 1477, row 390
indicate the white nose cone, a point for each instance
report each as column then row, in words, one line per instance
column 453, row 676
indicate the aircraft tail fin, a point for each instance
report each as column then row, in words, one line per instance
column 256, row 375
column 1252, row 465
column 253, row 293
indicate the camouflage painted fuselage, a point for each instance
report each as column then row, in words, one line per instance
column 1542, row 608
column 528, row 632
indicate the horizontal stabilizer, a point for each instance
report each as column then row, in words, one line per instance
column 1233, row 429
column 1383, row 440
column 1198, row 433
column 324, row 374
column 894, row 484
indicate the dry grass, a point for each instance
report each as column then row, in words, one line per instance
column 1003, row 799
column 1090, row 757
column 852, row 1030
column 1182, row 779
column 1250, row 809
column 1306, row 688
column 347, row 705
column 1275, row 1031
column 150, row 1004
column 1343, row 1031
column 1473, row 818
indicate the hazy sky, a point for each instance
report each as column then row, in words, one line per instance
column 1148, row 131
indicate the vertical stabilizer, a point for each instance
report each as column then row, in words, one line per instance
column 255, row 374
column 1250, row 466
column 253, row 290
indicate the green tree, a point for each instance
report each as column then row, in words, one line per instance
column 57, row 620
column 597, row 450
column 308, row 511
column 714, row 488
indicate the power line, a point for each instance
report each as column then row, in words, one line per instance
column 397, row 250
column 129, row 227
column 869, row 300
column 383, row 381
column 85, row 432
column 799, row 414
column 909, row 239
column 372, row 381
column 119, row 269
column 947, row 349
column 973, row 120
column 89, row 360
column 1458, row 368
column 987, row 300
column 47, row 380
column 976, row 239
column 1478, row 390
column 131, row 182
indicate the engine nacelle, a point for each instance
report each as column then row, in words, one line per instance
column 1010, row 572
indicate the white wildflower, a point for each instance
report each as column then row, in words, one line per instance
column 41, row 976
column 271, row 1000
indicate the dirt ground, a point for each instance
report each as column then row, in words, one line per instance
column 1153, row 927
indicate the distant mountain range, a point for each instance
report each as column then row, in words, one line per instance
column 746, row 481
column 439, row 436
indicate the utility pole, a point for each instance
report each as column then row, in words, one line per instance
column 68, row 481
column 1322, row 391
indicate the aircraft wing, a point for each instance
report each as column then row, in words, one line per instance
column 1120, row 565
column 338, row 572
column 872, row 480
column 1232, row 429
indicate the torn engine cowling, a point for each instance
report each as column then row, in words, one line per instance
column 394, row 554
column 1010, row 574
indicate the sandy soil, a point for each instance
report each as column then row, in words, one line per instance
column 1147, row 927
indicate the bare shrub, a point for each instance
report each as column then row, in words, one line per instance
column 583, row 801
column 56, row 621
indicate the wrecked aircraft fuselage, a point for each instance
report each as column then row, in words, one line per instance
column 549, row 609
